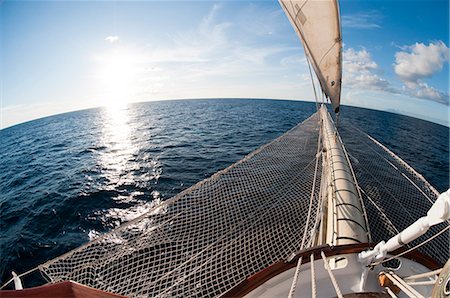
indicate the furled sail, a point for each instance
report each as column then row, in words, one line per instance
column 317, row 24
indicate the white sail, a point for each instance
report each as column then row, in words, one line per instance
column 317, row 24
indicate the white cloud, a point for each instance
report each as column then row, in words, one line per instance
column 417, row 62
column 422, row 90
column 420, row 61
column 361, row 72
column 362, row 20
column 112, row 39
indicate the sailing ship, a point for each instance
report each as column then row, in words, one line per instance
column 320, row 211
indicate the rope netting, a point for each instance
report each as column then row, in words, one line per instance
column 258, row 211
column 215, row 234
column 394, row 194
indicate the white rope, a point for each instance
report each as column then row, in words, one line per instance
column 313, row 277
column 316, row 223
column 407, row 289
column 297, row 269
column 312, row 80
column 311, row 199
column 407, row 166
column 401, row 162
column 294, row 282
column 381, row 211
column 389, row 291
column 330, row 273
column 19, row 276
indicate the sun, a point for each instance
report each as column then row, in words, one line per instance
column 117, row 75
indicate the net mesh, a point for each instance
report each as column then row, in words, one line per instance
column 210, row 237
column 394, row 194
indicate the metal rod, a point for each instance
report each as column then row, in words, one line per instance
column 408, row 290
column 422, row 283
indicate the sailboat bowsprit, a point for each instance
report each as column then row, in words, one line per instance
column 298, row 217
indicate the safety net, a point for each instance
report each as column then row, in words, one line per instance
column 213, row 235
column 394, row 194
column 260, row 210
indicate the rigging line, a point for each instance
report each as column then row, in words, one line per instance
column 412, row 248
column 318, row 152
column 299, row 263
column 313, row 278
column 317, row 219
column 330, row 273
column 306, row 2
column 389, row 192
column 389, row 291
column 294, row 281
column 337, row 120
column 418, row 188
column 19, row 276
column 404, row 164
column 330, row 178
column 319, row 207
column 320, row 213
column 312, row 79
column 313, row 85
column 316, row 222
column 315, row 226
column 379, row 209
column 398, row 159
column 407, row 289
column 401, row 163
column 407, row 166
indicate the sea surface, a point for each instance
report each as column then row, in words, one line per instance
column 67, row 178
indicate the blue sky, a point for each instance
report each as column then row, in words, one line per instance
column 61, row 56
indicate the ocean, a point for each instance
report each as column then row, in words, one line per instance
column 67, row 178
